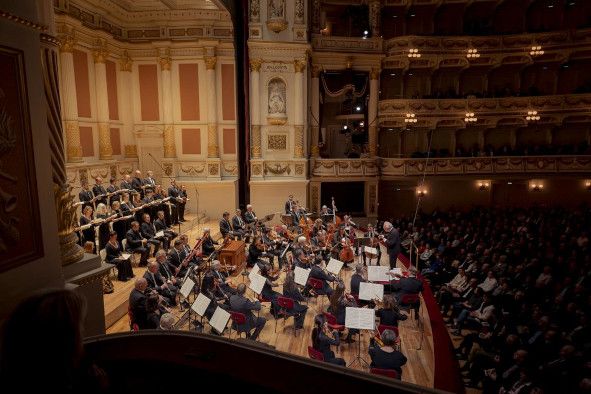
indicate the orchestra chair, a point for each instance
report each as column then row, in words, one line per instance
column 317, row 284
column 237, row 319
column 390, row 373
column 286, row 304
column 315, row 354
column 113, row 272
column 383, row 327
column 262, row 299
column 132, row 324
column 410, row 302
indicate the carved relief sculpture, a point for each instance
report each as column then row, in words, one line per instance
column 299, row 11
column 276, row 21
column 277, row 101
column 255, row 14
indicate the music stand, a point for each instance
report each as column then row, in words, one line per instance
column 361, row 241
column 360, row 319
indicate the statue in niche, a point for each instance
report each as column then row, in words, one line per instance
column 276, row 9
column 276, row 97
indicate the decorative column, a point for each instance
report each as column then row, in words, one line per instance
column 315, row 121
column 126, row 105
column 213, row 149
column 69, row 103
column 100, row 54
column 372, row 110
column 71, row 252
column 298, row 146
column 169, row 140
column 374, row 17
column 255, row 107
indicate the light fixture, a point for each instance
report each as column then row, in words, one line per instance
column 362, row 123
column 365, row 32
column 392, row 74
column 536, row 51
column 414, row 52
column 421, row 191
column 470, row 118
column 472, row 53
column 532, row 116
column 588, row 184
column 536, row 186
column 509, row 183
column 358, row 108
column 410, row 118
column 483, row 185
column 345, row 127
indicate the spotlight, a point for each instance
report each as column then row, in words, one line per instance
column 358, row 108
column 365, row 32
column 361, row 124
column 345, row 127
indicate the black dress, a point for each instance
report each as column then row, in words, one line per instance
column 124, row 270
column 390, row 317
column 104, row 231
column 385, row 360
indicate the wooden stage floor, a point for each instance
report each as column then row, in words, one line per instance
column 417, row 346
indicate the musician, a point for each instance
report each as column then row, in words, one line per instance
column 114, row 256
column 272, row 246
column 318, row 226
column 173, row 193
column 389, row 314
column 149, row 232
column 176, row 256
column 104, row 229
column 126, row 183
column 339, row 301
column 239, row 303
column 85, row 196
column 99, row 191
column 290, row 290
column 160, row 225
column 137, row 206
column 120, row 226
column 148, row 202
column 256, row 250
column 356, row 279
column 137, row 303
column 270, row 282
column 136, row 243
column 137, row 183
column 320, row 243
column 156, row 282
column 188, row 249
column 387, row 357
column 222, row 277
column 249, row 216
column 409, row 285
column 113, row 189
column 391, row 239
column 211, row 287
column 289, row 204
column 225, row 226
column 373, row 236
column 88, row 234
column 238, row 225
column 164, row 268
column 149, row 181
column 207, row 243
column 319, row 273
column 183, row 203
column 323, row 339
column 295, row 215
column 326, row 214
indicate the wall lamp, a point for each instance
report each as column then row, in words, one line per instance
column 483, row 185
column 421, row 191
column 588, row 184
column 536, row 186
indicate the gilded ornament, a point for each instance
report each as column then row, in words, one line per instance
column 213, row 169
column 210, row 62
column 255, row 65
column 277, row 142
column 67, row 42
column 130, row 151
column 105, row 148
column 299, row 65
column 125, row 62
column 277, row 26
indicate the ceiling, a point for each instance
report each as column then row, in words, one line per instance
column 167, row 5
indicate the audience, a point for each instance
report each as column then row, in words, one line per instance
column 515, row 283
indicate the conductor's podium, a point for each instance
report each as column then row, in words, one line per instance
column 233, row 254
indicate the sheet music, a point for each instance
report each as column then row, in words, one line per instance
column 200, row 305
column 334, row 266
column 255, row 269
column 125, row 256
column 378, row 273
column 219, row 320
column 187, row 287
column 160, row 233
column 370, row 250
column 371, row 291
column 257, row 282
column 360, row 318
column 396, row 271
column 301, row 275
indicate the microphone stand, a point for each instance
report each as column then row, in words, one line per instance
column 160, row 166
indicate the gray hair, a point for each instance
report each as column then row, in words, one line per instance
column 167, row 321
column 388, row 337
column 140, row 282
column 160, row 253
column 388, row 225
column 358, row 268
column 215, row 264
column 301, row 239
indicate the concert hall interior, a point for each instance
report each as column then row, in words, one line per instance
column 295, row 195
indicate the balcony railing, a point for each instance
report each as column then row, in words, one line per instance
column 346, row 44
column 396, row 167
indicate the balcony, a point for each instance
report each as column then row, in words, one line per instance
column 486, row 165
column 346, row 44
column 348, row 168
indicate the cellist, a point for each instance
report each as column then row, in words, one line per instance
column 374, row 242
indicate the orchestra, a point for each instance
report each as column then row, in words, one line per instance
column 137, row 216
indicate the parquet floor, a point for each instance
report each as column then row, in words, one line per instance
column 417, row 344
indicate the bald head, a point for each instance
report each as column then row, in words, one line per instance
column 141, row 284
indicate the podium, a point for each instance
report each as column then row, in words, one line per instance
column 233, row 254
